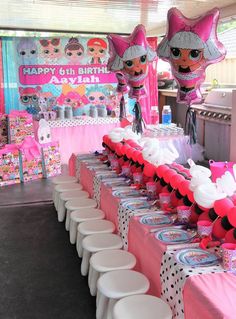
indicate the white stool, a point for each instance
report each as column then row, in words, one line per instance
column 81, row 215
column 115, row 285
column 64, row 197
column 97, row 242
column 63, row 188
column 140, row 307
column 92, row 227
column 61, row 180
column 108, row 260
column 75, row 204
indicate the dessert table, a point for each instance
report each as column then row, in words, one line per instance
column 79, row 135
column 192, row 292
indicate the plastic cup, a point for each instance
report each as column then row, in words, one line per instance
column 204, row 228
column 138, row 177
column 151, row 190
column 125, row 170
column 183, row 213
column 229, row 256
column 164, row 200
column 114, row 164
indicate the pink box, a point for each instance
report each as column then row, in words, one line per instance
column 9, row 165
column 20, row 125
column 3, row 130
column 51, row 159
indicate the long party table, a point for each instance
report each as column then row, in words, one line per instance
column 192, row 293
column 79, row 135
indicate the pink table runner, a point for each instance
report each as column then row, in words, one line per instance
column 86, row 178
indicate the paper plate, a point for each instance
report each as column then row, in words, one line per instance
column 125, row 192
column 196, row 257
column 172, row 236
column 138, row 203
column 155, row 219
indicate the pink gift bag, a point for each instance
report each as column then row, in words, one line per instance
column 3, row 130
column 9, row 165
column 20, row 125
column 51, row 159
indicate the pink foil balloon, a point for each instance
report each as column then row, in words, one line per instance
column 190, row 45
column 129, row 58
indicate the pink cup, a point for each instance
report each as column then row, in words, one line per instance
column 138, row 177
column 125, row 170
column 114, row 164
column 151, row 190
column 229, row 256
column 204, row 228
column 183, row 213
column 164, row 200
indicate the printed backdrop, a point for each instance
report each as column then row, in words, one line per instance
column 41, row 73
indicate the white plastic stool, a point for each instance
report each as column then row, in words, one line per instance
column 61, row 180
column 92, row 227
column 64, row 197
column 81, row 215
column 63, row 188
column 108, row 260
column 97, row 242
column 115, row 285
column 75, row 204
column 140, row 307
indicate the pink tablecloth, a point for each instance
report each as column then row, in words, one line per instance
column 208, row 296
column 86, row 178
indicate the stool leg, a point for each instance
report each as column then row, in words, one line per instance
column 73, row 231
column 80, row 247
column 56, row 199
column 67, row 225
column 93, row 282
column 101, row 306
column 85, row 262
column 53, row 196
column 61, row 210
column 78, row 240
column 110, row 307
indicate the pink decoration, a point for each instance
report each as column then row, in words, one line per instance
column 190, row 45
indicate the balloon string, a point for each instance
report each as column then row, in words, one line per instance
column 122, row 108
column 138, row 122
column 190, row 125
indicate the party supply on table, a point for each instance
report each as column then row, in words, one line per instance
column 156, row 219
column 196, row 257
column 183, row 213
column 204, row 228
column 174, row 235
column 137, row 203
column 164, row 199
column 125, row 193
column 229, row 256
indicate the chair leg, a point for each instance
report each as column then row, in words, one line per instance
column 56, row 199
column 61, row 210
column 101, row 306
column 85, row 262
column 53, row 197
column 73, row 231
column 80, row 247
column 110, row 307
column 67, row 224
column 93, row 282
column 78, row 241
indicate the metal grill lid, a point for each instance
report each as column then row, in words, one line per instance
column 221, row 98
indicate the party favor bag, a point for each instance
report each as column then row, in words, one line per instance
column 9, row 165
column 31, row 160
column 20, row 125
column 51, row 159
column 3, row 129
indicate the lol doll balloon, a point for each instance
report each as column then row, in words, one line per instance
column 190, row 45
column 130, row 57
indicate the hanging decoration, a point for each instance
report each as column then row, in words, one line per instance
column 129, row 59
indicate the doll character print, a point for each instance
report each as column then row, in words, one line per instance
column 74, row 51
column 27, row 51
column 130, row 59
column 29, row 99
column 73, row 96
column 97, row 96
column 50, row 50
column 190, row 46
column 96, row 49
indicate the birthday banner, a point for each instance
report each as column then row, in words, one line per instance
column 45, row 73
